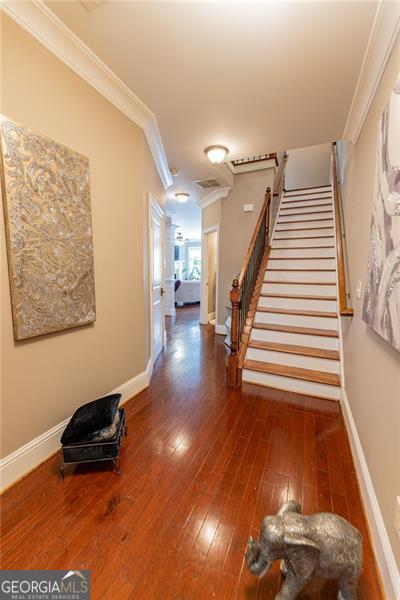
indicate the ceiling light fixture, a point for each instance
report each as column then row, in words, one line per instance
column 179, row 239
column 182, row 197
column 216, row 154
column 174, row 172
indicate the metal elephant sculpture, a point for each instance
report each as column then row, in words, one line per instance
column 320, row 545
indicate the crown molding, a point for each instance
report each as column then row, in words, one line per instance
column 42, row 24
column 383, row 36
column 213, row 197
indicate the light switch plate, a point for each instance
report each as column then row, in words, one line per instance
column 358, row 289
column 248, row 207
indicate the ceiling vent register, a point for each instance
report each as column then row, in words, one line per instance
column 206, row 184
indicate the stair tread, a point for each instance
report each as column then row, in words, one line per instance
column 312, row 187
column 293, row 349
column 317, row 270
column 305, row 220
column 295, row 311
column 307, row 237
column 293, row 372
column 296, row 329
column 300, row 257
column 301, row 229
column 291, row 282
column 297, row 296
column 286, row 200
column 310, row 212
column 300, row 247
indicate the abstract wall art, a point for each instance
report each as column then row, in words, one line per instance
column 381, row 309
column 46, row 199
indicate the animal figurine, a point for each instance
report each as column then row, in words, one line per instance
column 320, row 545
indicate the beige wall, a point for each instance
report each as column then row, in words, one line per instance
column 372, row 366
column 237, row 228
column 308, row 167
column 212, row 271
column 45, row 379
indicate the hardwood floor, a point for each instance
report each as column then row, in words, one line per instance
column 200, row 468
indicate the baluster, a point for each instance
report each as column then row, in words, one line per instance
column 232, row 374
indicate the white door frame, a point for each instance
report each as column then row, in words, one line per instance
column 204, row 275
column 153, row 205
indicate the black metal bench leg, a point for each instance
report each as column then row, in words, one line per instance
column 117, row 464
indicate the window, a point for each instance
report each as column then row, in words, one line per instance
column 194, row 262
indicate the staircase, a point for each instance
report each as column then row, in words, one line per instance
column 294, row 338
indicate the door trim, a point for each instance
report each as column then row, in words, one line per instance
column 154, row 205
column 204, row 270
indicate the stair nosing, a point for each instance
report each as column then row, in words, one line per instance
column 294, row 349
column 296, row 329
column 302, row 229
column 298, row 372
column 306, row 237
column 300, row 257
column 298, row 297
column 301, row 313
column 304, row 221
column 280, row 281
column 299, row 247
column 301, row 270
column 311, row 212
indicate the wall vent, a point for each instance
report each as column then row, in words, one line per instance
column 205, row 184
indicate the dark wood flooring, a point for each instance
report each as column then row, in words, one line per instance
column 200, row 468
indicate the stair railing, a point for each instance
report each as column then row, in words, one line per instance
column 344, row 296
column 279, row 185
column 243, row 286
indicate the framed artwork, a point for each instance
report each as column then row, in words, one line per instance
column 381, row 308
column 46, row 199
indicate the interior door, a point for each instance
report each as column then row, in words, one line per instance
column 156, row 277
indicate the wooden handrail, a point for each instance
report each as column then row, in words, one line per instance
column 344, row 309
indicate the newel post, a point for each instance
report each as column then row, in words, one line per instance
column 232, row 371
column 267, row 214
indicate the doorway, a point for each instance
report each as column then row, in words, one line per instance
column 156, row 243
column 209, row 281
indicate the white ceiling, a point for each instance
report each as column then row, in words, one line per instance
column 255, row 76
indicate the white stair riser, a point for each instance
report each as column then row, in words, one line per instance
column 305, row 207
column 297, row 320
column 299, row 289
column 306, row 263
column 304, row 225
column 322, row 188
column 294, row 360
column 298, row 303
column 305, row 253
column 308, row 233
column 314, row 276
column 307, row 196
column 292, row 385
column 300, row 243
column 297, row 339
column 305, row 217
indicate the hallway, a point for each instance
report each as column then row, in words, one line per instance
column 200, row 468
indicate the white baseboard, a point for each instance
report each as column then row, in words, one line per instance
column 23, row 460
column 211, row 316
column 220, row 329
column 383, row 550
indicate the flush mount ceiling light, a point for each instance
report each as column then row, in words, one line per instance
column 216, row 154
column 174, row 172
column 182, row 197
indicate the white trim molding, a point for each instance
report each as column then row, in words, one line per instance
column 220, row 329
column 213, row 197
column 42, row 24
column 23, row 460
column 382, row 39
column 383, row 550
